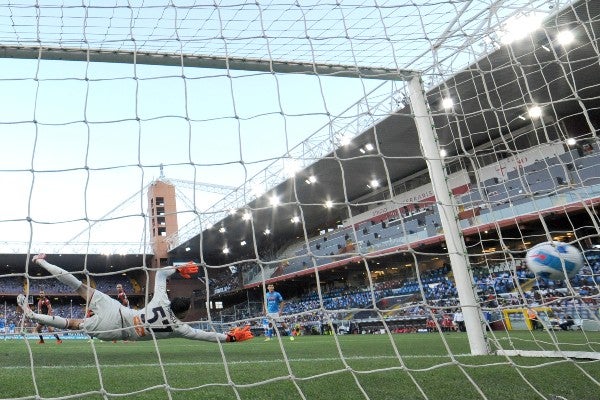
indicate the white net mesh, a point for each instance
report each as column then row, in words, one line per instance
column 386, row 164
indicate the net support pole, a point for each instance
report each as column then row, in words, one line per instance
column 449, row 218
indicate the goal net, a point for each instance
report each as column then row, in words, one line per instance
column 385, row 165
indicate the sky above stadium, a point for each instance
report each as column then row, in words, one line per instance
column 81, row 140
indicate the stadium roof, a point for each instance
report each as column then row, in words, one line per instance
column 94, row 263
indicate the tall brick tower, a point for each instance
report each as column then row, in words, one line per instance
column 163, row 219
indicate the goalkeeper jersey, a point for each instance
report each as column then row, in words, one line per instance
column 113, row 321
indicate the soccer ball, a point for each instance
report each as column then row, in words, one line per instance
column 549, row 258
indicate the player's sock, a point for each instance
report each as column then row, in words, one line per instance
column 41, row 338
column 60, row 274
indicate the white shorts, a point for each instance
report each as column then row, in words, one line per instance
column 275, row 317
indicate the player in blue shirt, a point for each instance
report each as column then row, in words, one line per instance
column 273, row 309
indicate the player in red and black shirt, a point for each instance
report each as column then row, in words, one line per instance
column 121, row 296
column 45, row 307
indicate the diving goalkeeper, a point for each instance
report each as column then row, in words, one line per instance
column 160, row 319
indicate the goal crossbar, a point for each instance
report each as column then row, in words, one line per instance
column 203, row 61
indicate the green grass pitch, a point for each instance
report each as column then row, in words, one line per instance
column 414, row 366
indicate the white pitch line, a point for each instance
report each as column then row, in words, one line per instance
column 311, row 360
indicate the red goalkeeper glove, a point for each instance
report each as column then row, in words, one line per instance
column 239, row 334
column 187, row 269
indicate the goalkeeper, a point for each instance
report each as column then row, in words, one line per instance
column 160, row 319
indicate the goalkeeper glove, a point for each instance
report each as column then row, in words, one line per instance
column 187, row 269
column 239, row 334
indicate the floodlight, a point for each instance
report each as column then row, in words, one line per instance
column 519, row 27
column 447, row 102
column 345, row 140
column 535, row 112
column 311, row 179
column 565, row 37
column 274, row 200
